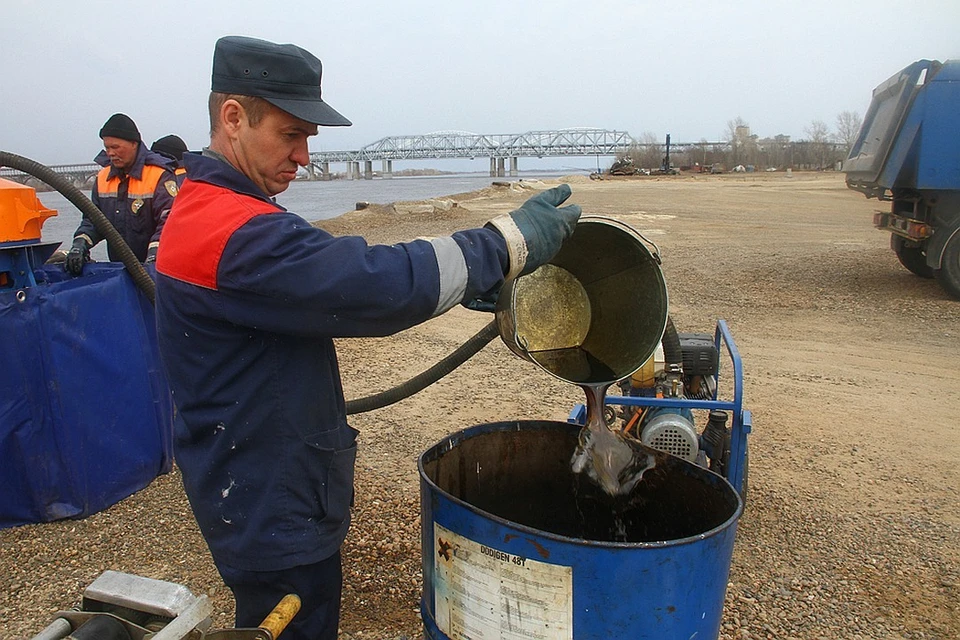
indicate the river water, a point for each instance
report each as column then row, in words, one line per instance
column 312, row 200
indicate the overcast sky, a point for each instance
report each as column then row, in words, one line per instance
column 488, row 66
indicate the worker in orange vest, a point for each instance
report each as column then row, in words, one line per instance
column 134, row 190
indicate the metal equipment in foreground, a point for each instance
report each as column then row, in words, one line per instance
column 907, row 153
column 658, row 404
column 121, row 606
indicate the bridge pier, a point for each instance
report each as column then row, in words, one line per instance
column 325, row 170
column 354, row 170
column 386, row 169
column 500, row 167
column 82, row 182
column 514, row 169
column 368, row 169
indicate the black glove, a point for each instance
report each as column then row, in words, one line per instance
column 151, row 254
column 78, row 255
column 535, row 231
column 486, row 303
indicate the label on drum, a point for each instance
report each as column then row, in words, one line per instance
column 482, row 593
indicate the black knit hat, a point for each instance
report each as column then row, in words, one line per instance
column 120, row 126
column 284, row 75
column 171, row 146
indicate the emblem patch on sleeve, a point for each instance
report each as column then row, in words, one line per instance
column 171, row 187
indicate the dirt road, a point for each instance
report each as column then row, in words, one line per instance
column 852, row 529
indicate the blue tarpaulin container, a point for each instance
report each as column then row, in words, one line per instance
column 85, row 411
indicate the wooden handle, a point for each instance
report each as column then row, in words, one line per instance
column 282, row 614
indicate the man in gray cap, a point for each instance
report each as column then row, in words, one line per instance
column 250, row 298
column 134, row 190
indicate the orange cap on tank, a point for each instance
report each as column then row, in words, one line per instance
column 21, row 213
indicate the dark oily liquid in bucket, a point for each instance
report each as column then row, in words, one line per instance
column 574, row 364
column 605, row 456
column 522, row 474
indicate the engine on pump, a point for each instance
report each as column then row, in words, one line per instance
column 673, row 428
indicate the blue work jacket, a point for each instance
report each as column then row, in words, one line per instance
column 249, row 300
column 135, row 202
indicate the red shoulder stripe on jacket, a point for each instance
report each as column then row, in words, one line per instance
column 203, row 219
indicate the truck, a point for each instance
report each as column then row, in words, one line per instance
column 907, row 153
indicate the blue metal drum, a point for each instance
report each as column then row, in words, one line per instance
column 517, row 546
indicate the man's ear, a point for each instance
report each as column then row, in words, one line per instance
column 231, row 116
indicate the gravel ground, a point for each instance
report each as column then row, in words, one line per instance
column 852, row 524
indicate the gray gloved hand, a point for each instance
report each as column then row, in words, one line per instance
column 535, row 231
column 151, row 255
column 78, row 255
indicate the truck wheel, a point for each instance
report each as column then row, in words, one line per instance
column 948, row 275
column 913, row 258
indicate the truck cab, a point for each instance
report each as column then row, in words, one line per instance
column 907, row 153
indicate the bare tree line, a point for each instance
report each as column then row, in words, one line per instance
column 820, row 149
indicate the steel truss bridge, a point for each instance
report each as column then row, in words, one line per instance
column 499, row 148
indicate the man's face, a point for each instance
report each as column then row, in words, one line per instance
column 270, row 153
column 122, row 153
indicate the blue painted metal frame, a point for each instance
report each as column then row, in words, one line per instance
column 741, row 424
column 19, row 260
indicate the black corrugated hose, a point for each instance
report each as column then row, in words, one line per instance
column 428, row 377
column 117, row 244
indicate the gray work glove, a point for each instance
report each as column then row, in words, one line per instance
column 535, row 231
column 78, row 255
column 151, row 255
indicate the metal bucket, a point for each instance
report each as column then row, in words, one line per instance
column 516, row 545
column 595, row 313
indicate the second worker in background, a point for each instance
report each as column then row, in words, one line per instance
column 134, row 190
column 173, row 147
